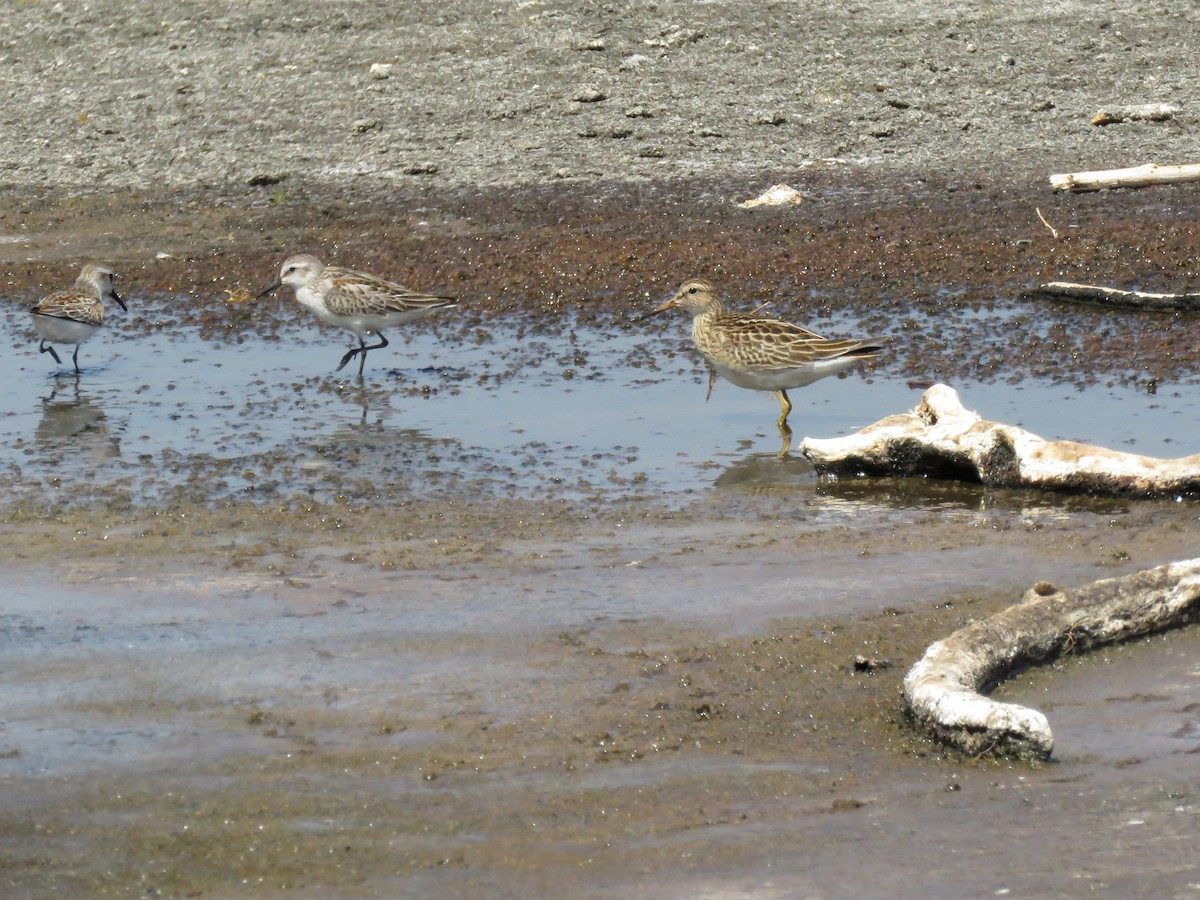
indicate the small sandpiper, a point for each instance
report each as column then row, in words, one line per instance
column 72, row 316
column 355, row 301
column 759, row 353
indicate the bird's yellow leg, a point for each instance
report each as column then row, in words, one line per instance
column 785, row 407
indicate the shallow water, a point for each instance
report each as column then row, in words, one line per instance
column 569, row 407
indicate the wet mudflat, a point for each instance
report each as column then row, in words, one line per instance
column 523, row 614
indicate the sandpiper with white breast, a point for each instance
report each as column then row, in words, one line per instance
column 358, row 302
column 759, row 353
column 72, row 316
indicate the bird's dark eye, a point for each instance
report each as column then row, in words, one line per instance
column 693, row 290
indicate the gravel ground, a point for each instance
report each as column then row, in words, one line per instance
column 112, row 96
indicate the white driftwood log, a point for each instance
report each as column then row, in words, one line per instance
column 1138, row 176
column 942, row 439
column 1116, row 297
column 943, row 689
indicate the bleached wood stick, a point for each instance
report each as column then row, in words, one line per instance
column 1138, row 176
column 943, row 688
column 1107, row 296
column 942, row 439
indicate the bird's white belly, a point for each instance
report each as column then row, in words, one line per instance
column 783, row 379
column 62, row 331
column 354, row 321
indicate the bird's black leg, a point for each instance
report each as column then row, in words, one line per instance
column 46, row 348
column 362, row 349
column 75, row 359
column 350, row 355
column 383, row 342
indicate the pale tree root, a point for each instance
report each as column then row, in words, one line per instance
column 943, row 689
column 942, row 439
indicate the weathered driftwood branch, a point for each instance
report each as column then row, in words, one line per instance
column 1138, row 176
column 1116, row 297
column 943, row 689
column 943, row 440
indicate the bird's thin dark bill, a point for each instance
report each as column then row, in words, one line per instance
column 121, row 303
column 273, row 286
column 650, row 315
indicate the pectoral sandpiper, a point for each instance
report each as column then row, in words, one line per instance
column 759, row 353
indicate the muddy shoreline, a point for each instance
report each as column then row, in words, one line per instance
column 318, row 710
column 385, row 656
